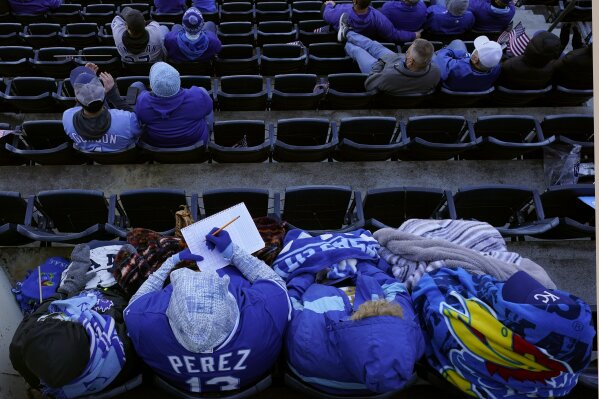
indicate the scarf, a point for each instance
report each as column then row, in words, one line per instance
column 272, row 232
column 92, row 128
column 192, row 49
column 107, row 355
column 490, row 347
column 138, row 44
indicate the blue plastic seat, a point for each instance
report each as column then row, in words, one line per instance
column 367, row 138
column 272, row 32
column 504, row 97
column 240, row 141
column 196, row 153
column 255, row 199
column 304, row 140
column 237, row 59
column 460, row 99
column 10, row 34
column 416, row 100
column 307, row 36
column 573, row 129
column 237, row 12
column 45, row 63
column 65, row 14
column 42, row 35
column 98, row 13
column 272, row 11
column 305, row 10
column 131, row 154
column 295, row 92
column 14, row 60
column 31, row 94
column 562, row 96
column 110, row 64
column 80, row 35
column 239, row 32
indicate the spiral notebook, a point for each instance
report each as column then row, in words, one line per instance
column 243, row 232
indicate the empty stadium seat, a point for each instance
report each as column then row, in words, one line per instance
column 305, row 10
column 137, row 68
column 10, row 34
column 272, row 11
column 193, row 68
column 31, row 94
column 329, row 58
column 562, row 96
column 275, row 32
column 573, row 129
column 255, row 199
column 13, row 211
column 504, row 97
column 240, row 141
column 196, row 153
column 367, row 138
column 242, row 93
column 45, row 63
column 65, row 14
column 304, row 140
column 295, row 92
column 276, row 59
column 416, row 100
column 174, row 17
column 106, row 37
column 346, row 91
column 41, row 35
column 307, row 35
column 111, row 64
column 65, row 95
column 14, row 60
column 98, row 13
column 236, row 33
column 6, row 157
column 460, row 99
column 237, row 59
column 435, row 137
column 80, row 35
column 236, row 12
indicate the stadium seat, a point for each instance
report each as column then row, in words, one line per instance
column 243, row 393
column 367, row 138
column 272, row 32
column 236, row 33
column 307, row 36
column 199, row 81
column 255, row 199
column 193, row 68
column 98, row 13
column 31, row 94
column 562, row 96
column 272, row 11
column 154, row 209
column 418, row 100
column 582, row 11
column 390, row 207
column 69, row 216
column 13, row 210
column 6, row 157
column 435, row 137
column 14, row 60
column 131, row 154
column 65, row 95
column 573, row 129
column 237, row 12
column 110, row 64
column 80, row 35
column 240, row 141
column 460, row 99
column 106, row 37
column 237, row 59
column 41, row 35
column 66, row 14
column 123, row 82
column 295, row 92
column 26, row 19
column 304, row 140
column 276, row 59
column 44, row 142
column 144, row 8
column 292, row 381
column 45, row 63
column 576, row 218
column 10, row 34
column 242, row 93
column 137, row 68
column 305, row 10
column 346, row 91
column 174, row 17
column 514, row 211
column 504, row 97
column 319, row 209
column 196, row 153
column 329, row 58
column 507, row 137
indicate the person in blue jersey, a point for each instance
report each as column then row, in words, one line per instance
column 207, row 331
column 492, row 15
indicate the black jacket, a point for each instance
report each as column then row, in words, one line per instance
column 575, row 69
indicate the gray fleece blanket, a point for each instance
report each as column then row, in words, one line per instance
column 411, row 256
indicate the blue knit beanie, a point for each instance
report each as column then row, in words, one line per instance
column 193, row 22
column 164, row 80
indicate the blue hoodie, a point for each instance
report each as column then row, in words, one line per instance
column 404, row 16
column 179, row 48
column 176, row 121
column 439, row 21
column 204, row 5
column 489, row 18
column 372, row 24
column 458, row 74
column 33, row 6
column 163, row 6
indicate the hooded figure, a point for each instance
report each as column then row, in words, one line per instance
column 405, row 14
column 173, row 116
column 533, row 70
column 195, row 40
column 454, row 19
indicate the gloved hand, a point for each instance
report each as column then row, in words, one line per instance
column 222, row 241
column 187, row 255
column 78, row 274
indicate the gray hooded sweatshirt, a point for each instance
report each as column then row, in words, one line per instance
column 390, row 75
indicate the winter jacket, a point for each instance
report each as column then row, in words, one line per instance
column 390, row 75
column 458, row 74
column 176, row 121
column 575, row 69
column 206, row 46
column 489, row 18
column 154, row 51
column 373, row 24
column 405, row 16
column 33, row 6
column 440, row 22
column 169, row 6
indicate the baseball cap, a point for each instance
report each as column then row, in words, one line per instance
column 88, row 88
column 522, row 288
column 489, row 52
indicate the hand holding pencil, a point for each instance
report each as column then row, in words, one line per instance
column 219, row 238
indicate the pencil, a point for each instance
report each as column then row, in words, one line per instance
column 39, row 273
column 222, row 228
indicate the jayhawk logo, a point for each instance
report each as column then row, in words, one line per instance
column 47, row 279
column 484, row 339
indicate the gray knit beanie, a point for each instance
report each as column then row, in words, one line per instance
column 164, row 80
column 457, row 7
column 201, row 312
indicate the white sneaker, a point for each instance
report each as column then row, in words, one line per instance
column 343, row 27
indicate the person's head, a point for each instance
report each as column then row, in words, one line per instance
column 201, row 312
column 419, row 54
column 377, row 308
column 542, row 48
column 500, row 3
column 457, row 7
column 487, row 53
column 89, row 90
column 134, row 19
column 165, row 80
column 56, row 351
column 193, row 22
column 361, row 4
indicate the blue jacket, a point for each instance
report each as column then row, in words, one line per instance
column 33, row 6
column 372, row 24
column 124, row 130
column 405, row 16
column 440, row 22
column 326, row 349
column 489, row 18
column 204, row 5
column 163, row 6
column 458, row 74
column 176, row 121
column 179, row 48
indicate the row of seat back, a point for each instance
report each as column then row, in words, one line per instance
column 433, row 137
column 73, row 216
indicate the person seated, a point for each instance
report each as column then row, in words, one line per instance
column 33, row 6
column 75, row 344
column 205, row 5
column 172, row 116
column 135, row 41
column 169, row 6
column 533, row 69
column 575, row 69
column 353, row 330
column 461, row 71
column 91, row 124
column 448, row 18
column 405, row 14
column 196, row 40
column 394, row 73
column 365, row 20
column 492, row 15
column 210, row 331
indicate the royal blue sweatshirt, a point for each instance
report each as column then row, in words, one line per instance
column 458, row 74
column 489, row 18
column 403, row 16
column 179, row 48
column 33, row 6
column 440, row 22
